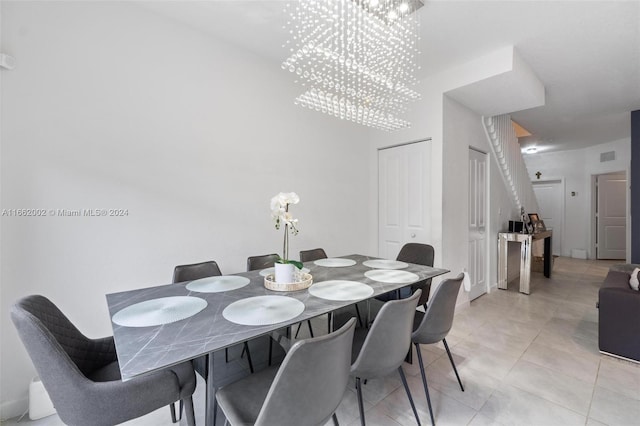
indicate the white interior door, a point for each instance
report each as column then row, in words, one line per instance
column 611, row 215
column 477, row 223
column 550, row 196
column 403, row 192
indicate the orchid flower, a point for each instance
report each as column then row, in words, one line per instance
column 281, row 215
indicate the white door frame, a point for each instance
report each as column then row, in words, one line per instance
column 564, row 251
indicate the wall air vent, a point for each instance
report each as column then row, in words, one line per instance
column 607, row 156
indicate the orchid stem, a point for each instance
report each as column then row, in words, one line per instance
column 285, row 246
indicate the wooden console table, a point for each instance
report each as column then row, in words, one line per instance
column 525, row 241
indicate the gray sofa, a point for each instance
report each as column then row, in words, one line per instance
column 619, row 314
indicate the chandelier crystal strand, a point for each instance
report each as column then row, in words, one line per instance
column 356, row 59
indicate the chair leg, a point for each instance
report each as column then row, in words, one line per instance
column 453, row 364
column 310, row 329
column 335, row 420
column 270, row 350
column 172, row 408
column 246, row 347
column 215, row 412
column 424, row 382
column 406, row 388
column 358, row 315
column 297, row 331
column 188, row 404
column 226, row 354
column 360, row 403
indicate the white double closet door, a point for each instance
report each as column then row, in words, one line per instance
column 403, row 197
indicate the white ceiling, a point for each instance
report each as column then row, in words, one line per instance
column 586, row 53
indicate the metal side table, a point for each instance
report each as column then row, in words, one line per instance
column 525, row 241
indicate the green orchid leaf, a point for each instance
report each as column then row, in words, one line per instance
column 296, row 264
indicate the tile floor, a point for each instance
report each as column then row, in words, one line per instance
column 524, row 360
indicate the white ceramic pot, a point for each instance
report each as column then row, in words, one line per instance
column 284, row 272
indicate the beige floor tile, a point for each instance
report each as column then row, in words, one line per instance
column 446, row 410
column 573, row 327
column 515, row 327
column 490, row 361
column 478, row 386
column 613, row 408
column 481, row 420
column 580, row 347
column 620, row 376
column 575, row 311
column 534, row 318
column 374, row 417
column 495, row 338
column 348, row 409
column 592, row 422
column 512, row 406
column 582, row 368
column 551, row 385
column 377, row 389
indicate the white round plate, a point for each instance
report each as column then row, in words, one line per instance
column 159, row 311
column 218, row 284
column 341, row 290
column 391, row 276
column 263, row 310
column 335, row 262
column 385, row 264
column 272, row 270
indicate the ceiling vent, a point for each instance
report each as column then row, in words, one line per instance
column 607, row 156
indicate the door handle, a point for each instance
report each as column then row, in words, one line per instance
column 413, row 235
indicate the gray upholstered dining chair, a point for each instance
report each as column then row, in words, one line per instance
column 306, row 389
column 268, row 261
column 82, row 375
column 435, row 324
column 317, row 254
column 191, row 272
column 420, row 254
column 261, row 262
column 380, row 350
column 196, row 271
column 311, row 255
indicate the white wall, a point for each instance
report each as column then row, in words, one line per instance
column 463, row 129
column 111, row 106
column 577, row 167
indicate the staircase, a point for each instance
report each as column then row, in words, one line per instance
column 505, row 147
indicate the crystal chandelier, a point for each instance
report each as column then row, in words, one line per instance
column 356, row 59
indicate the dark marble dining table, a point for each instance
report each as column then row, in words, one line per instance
column 143, row 350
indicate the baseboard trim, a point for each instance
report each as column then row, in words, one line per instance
column 15, row 408
column 620, row 357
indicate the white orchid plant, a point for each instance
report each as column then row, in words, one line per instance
column 280, row 214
